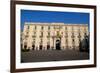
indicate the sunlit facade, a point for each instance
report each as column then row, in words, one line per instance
column 50, row 36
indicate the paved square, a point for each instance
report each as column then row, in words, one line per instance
column 53, row 55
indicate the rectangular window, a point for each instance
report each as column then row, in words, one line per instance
column 41, row 41
column 42, row 27
column 48, row 36
column 26, row 36
column 48, row 33
column 65, row 28
column 27, row 27
column 60, row 27
column 72, row 28
column 79, row 36
column 33, row 41
column 41, row 33
column 72, row 35
column 35, row 27
column 27, row 32
column 66, row 34
column 25, row 43
column 73, row 40
column 66, row 41
column 34, row 33
column 54, row 27
column 48, row 27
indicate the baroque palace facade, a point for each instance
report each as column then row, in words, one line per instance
column 47, row 36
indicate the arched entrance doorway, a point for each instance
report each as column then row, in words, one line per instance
column 48, row 47
column 58, row 44
column 33, row 47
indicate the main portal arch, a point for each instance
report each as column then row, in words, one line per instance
column 58, row 44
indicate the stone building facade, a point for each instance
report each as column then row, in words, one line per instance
column 50, row 36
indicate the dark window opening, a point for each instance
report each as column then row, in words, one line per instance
column 33, row 47
column 42, row 27
column 35, row 27
column 25, row 46
column 28, row 27
column 48, row 27
column 40, row 47
column 48, row 46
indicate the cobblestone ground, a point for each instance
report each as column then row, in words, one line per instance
column 53, row 55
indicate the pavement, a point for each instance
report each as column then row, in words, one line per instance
column 52, row 55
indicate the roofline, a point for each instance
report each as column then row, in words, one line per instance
column 54, row 23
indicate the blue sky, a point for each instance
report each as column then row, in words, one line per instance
column 53, row 16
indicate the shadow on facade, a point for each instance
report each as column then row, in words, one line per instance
column 84, row 45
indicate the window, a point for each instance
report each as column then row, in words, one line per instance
column 48, row 33
column 84, row 29
column 48, row 27
column 54, row 27
column 79, row 40
column 79, row 36
column 33, row 41
column 48, row 46
column 42, row 27
column 41, row 35
column 34, row 33
column 25, row 43
column 85, row 34
column 26, row 36
column 73, row 40
column 66, row 41
column 48, row 42
column 66, row 34
column 40, row 47
column 65, row 28
column 25, row 46
column 72, row 35
column 48, row 36
column 27, row 32
column 72, row 28
column 60, row 27
column 41, row 41
column 33, row 46
column 35, row 27
column 27, row 27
